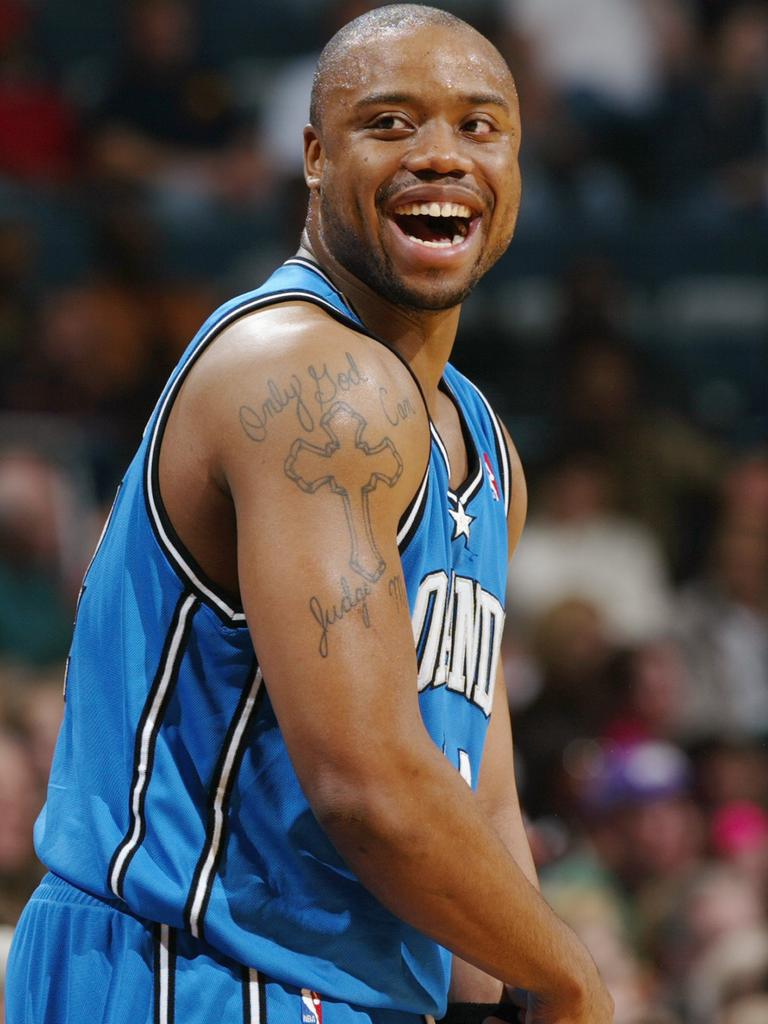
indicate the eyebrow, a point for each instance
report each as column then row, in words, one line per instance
column 475, row 99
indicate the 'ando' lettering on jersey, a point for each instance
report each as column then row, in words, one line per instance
column 457, row 627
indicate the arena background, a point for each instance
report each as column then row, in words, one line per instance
column 150, row 166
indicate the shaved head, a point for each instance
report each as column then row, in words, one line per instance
column 333, row 66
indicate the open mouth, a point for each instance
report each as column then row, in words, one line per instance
column 438, row 225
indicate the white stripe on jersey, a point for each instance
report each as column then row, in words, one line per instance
column 254, row 996
column 164, row 979
column 222, row 786
column 148, row 733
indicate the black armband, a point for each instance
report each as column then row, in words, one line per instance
column 476, row 1013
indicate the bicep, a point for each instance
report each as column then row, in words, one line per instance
column 320, row 579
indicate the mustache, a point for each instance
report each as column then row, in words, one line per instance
column 385, row 193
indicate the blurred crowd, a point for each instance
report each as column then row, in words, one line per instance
column 150, row 165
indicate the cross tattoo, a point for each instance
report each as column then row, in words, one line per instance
column 313, row 466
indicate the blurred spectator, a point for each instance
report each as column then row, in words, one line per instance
column 601, row 50
column 575, row 545
column 642, row 836
column 571, row 648
column 20, row 802
column 99, row 349
column 731, row 770
column 16, row 308
column 691, row 926
column 746, row 1010
column 38, row 129
column 36, row 712
column 732, row 968
column 711, row 131
column 652, row 704
column 722, row 617
column 665, row 470
column 171, row 125
column 286, row 101
column 39, row 530
column 740, row 837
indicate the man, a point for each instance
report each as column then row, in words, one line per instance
column 259, row 807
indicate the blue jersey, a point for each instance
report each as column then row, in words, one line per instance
column 171, row 788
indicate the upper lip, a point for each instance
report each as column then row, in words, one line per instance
column 435, row 194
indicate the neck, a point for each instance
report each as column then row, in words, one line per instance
column 423, row 338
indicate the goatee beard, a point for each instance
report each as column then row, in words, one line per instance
column 374, row 268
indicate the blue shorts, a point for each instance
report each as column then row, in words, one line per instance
column 76, row 959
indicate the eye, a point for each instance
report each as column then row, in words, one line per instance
column 479, row 126
column 390, row 122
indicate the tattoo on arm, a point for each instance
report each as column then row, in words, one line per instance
column 326, row 383
column 395, row 411
column 349, row 600
column 396, row 588
column 313, row 466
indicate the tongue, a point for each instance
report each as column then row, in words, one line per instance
column 428, row 229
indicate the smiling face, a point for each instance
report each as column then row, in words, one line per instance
column 413, row 173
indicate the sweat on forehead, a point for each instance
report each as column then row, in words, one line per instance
column 334, row 64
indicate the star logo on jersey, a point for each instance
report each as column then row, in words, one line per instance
column 491, row 477
column 462, row 521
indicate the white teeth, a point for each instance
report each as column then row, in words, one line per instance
column 457, row 240
column 434, row 210
column 435, row 245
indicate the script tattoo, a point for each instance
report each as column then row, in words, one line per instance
column 396, row 589
column 351, row 468
column 255, row 422
column 349, row 601
column 395, row 412
column 326, row 383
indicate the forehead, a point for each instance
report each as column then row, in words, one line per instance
column 433, row 62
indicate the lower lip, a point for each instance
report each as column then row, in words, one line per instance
column 429, row 256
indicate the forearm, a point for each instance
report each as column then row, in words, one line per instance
column 424, row 847
column 469, row 983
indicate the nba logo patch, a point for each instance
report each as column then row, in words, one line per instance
column 491, row 477
column 311, row 1007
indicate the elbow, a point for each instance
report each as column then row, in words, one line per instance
column 367, row 808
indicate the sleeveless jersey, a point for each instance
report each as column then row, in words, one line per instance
column 171, row 787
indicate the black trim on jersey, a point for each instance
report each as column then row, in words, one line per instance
column 230, row 759
column 308, row 264
column 474, row 478
column 411, row 518
column 163, row 686
column 261, row 995
column 503, row 459
column 245, row 991
column 179, row 556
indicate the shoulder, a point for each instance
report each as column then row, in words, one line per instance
column 291, row 371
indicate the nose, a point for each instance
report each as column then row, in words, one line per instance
column 437, row 150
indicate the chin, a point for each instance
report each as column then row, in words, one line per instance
column 429, row 292
column 433, row 298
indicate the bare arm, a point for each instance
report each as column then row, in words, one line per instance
column 316, row 552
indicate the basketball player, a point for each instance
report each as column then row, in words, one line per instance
column 268, row 805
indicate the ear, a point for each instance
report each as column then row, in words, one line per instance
column 314, row 158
